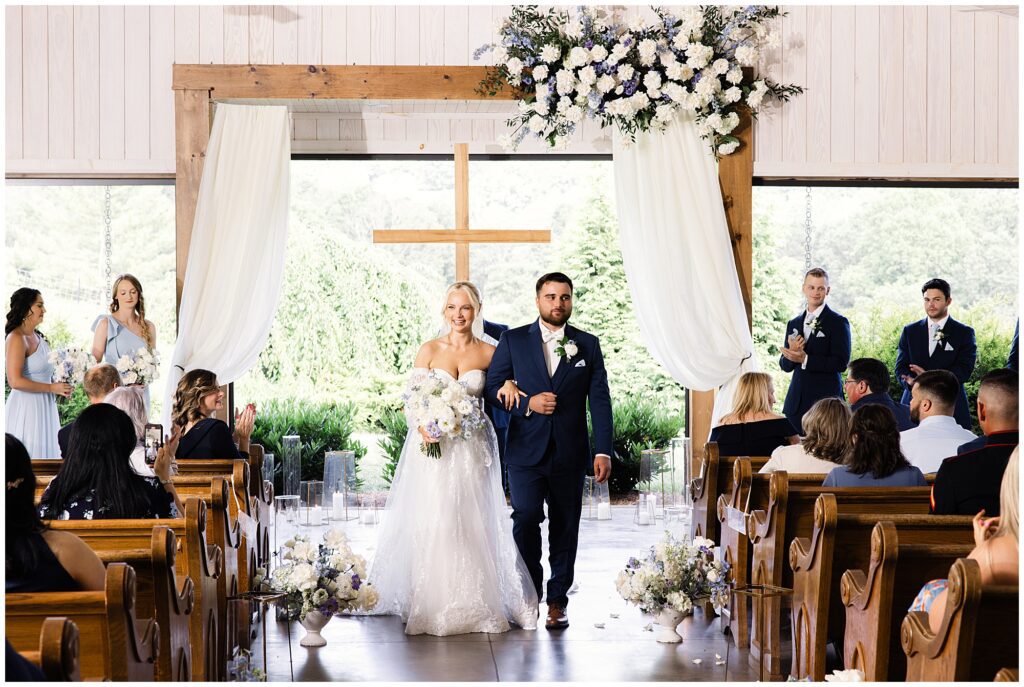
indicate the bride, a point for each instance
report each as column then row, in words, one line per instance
column 446, row 561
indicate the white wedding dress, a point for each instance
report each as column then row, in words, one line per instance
column 445, row 560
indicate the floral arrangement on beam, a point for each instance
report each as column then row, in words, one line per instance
column 589, row 64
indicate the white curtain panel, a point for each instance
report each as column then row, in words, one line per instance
column 236, row 257
column 679, row 261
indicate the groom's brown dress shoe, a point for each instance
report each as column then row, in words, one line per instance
column 557, row 618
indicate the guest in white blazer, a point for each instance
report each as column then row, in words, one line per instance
column 937, row 436
column 827, row 424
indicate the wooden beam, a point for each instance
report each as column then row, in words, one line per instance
column 735, row 176
column 459, row 236
column 192, row 134
column 336, row 81
column 461, row 210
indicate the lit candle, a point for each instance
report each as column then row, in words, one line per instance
column 604, row 511
column 316, row 515
column 337, row 506
column 645, row 517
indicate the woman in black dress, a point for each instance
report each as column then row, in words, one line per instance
column 40, row 559
column 752, row 428
column 97, row 480
column 197, row 397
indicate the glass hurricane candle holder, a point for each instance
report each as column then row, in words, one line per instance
column 340, row 484
column 311, row 494
column 291, row 462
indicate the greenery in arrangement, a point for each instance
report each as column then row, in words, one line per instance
column 587, row 63
column 322, row 427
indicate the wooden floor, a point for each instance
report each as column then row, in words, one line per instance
column 372, row 649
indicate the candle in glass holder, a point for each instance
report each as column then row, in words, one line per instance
column 338, row 505
column 604, row 511
column 316, row 515
column 644, row 517
column 366, row 517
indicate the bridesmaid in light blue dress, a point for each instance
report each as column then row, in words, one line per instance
column 125, row 330
column 31, row 409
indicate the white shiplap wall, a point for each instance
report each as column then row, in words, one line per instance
column 916, row 91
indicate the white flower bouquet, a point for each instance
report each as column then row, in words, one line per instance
column 328, row 578
column 588, row 64
column 70, row 365
column 443, row 407
column 141, row 367
column 675, row 574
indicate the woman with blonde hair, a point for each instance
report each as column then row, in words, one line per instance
column 827, row 425
column 753, row 428
column 125, row 329
column 197, row 397
column 996, row 547
column 130, row 400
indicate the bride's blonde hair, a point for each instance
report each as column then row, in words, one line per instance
column 470, row 289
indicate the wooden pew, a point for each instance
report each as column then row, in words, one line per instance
column 715, row 479
column 876, row 600
column 839, row 542
column 159, row 593
column 58, row 652
column 749, row 493
column 979, row 631
column 790, row 514
column 1007, row 675
column 114, row 644
column 263, row 492
column 196, row 559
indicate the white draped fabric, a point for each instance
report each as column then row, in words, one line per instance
column 679, row 261
column 236, row 257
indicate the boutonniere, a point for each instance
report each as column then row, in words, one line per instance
column 566, row 348
column 815, row 325
column 939, row 336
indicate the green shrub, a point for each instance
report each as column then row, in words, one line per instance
column 638, row 426
column 321, row 426
column 69, row 408
column 395, row 428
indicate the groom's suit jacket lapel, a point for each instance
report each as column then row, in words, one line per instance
column 563, row 367
column 537, row 355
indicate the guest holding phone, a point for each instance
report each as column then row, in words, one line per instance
column 129, row 399
column 197, row 397
column 31, row 409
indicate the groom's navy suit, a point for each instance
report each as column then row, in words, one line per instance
column 548, row 455
column 957, row 353
column 828, row 354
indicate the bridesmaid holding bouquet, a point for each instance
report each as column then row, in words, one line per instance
column 31, row 409
column 125, row 330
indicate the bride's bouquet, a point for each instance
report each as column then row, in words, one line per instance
column 443, row 408
column 675, row 574
column 141, row 367
column 70, row 365
column 328, row 578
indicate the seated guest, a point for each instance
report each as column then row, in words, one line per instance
column 997, row 409
column 17, row 668
column 937, row 436
column 132, row 400
column 867, row 381
column 39, row 559
column 97, row 480
column 996, row 547
column 969, row 482
column 827, row 424
column 752, row 429
column 97, row 383
column 197, row 397
column 874, row 458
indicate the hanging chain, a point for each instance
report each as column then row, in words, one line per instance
column 107, row 241
column 807, row 230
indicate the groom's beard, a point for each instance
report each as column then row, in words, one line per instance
column 555, row 320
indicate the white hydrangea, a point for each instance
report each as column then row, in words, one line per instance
column 578, row 57
column 537, row 124
column 747, row 55
column 619, row 107
column 565, row 82
column 638, row 23
column 625, row 72
column 692, row 21
column 734, row 75
column 619, row 52
column 598, row 53
column 574, row 114
column 500, row 54
column 574, row 28
column 714, row 121
column 540, row 72
column 514, row 66
column 678, row 72
column 698, row 55
column 680, row 41
column 733, row 94
column 587, row 76
column 335, row 539
column 663, row 113
column 550, row 53
column 719, row 66
column 756, row 95
column 606, row 83
column 648, row 51
column 676, row 92
column 563, row 105
column 652, row 81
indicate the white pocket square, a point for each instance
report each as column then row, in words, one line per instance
column 948, row 347
column 820, row 334
column 582, row 363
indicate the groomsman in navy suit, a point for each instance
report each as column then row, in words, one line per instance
column 499, row 418
column 1013, row 360
column 937, row 342
column 816, row 350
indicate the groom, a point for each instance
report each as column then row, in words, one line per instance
column 560, row 368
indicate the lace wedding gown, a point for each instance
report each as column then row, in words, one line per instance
column 446, row 561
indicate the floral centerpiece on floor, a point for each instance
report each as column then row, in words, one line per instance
column 443, row 407
column 70, row 365
column 328, row 578
column 589, row 64
column 141, row 367
column 675, row 575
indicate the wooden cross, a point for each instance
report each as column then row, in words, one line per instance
column 462, row 236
